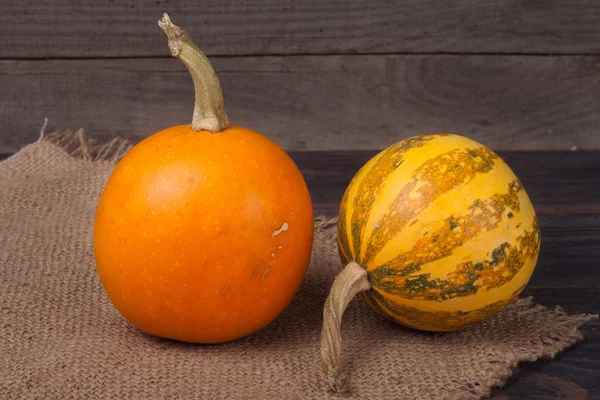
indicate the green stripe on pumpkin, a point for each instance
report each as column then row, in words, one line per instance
column 435, row 177
column 371, row 185
column 506, row 261
column 439, row 320
column 482, row 216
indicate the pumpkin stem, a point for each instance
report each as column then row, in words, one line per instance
column 209, row 109
column 352, row 280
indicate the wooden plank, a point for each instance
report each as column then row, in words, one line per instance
column 528, row 383
column 109, row 28
column 318, row 102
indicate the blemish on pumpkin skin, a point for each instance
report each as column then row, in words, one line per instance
column 257, row 268
column 453, row 224
column 264, row 275
column 226, row 290
column 277, row 232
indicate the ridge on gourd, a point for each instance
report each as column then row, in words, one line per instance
column 437, row 232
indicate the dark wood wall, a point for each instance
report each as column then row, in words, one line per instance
column 315, row 75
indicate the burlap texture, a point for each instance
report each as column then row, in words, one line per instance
column 60, row 337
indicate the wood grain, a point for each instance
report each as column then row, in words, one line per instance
column 109, row 28
column 534, row 385
column 318, row 102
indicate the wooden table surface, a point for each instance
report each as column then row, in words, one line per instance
column 565, row 190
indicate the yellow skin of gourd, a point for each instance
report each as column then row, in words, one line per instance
column 445, row 230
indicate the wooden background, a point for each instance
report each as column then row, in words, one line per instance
column 311, row 75
column 353, row 75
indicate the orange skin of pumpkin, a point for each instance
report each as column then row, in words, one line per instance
column 203, row 237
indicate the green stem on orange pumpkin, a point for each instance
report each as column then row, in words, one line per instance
column 209, row 109
column 352, row 280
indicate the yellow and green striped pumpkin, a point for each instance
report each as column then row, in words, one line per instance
column 444, row 229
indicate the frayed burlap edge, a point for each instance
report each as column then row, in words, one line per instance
column 78, row 145
column 545, row 347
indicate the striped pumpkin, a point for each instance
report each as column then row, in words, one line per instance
column 444, row 229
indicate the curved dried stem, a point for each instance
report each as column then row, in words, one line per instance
column 209, row 108
column 352, row 280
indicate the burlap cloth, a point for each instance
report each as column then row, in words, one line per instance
column 60, row 337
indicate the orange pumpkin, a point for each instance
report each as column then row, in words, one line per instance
column 203, row 232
